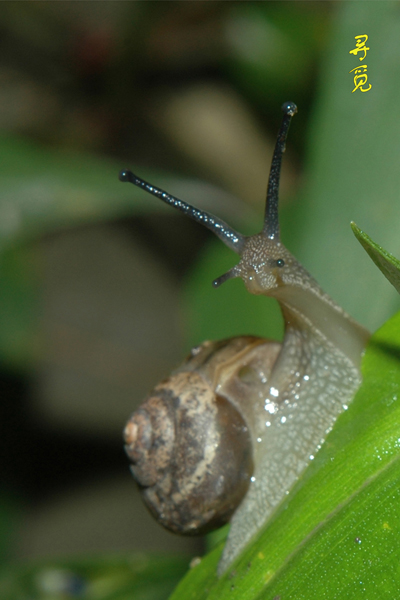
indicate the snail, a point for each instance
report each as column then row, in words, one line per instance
column 227, row 435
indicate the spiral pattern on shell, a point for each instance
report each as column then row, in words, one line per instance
column 191, row 454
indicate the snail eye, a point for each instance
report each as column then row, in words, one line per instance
column 280, row 262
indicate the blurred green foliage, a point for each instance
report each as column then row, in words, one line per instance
column 106, row 578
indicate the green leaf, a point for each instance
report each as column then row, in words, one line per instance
column 336, row 535
column 386, row 262
column 107, row 578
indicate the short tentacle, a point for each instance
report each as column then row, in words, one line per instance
column 231, row 274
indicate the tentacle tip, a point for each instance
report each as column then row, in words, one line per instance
column 289, row 108
column 124, row 175
column 217, row 282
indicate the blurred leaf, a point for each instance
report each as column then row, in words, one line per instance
column 44, row 191
column 386, row 262
column 273, row 48
column 108, row 578
column 353, row 172
column 336, row 535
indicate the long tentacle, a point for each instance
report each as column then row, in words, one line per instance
column 233, row 239
column 271, row 220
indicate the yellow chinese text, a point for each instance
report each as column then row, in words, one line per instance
column 360, row 46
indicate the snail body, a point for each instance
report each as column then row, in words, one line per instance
column 230, row 432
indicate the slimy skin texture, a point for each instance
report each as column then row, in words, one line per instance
column 314, row 377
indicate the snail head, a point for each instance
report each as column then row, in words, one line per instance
column 265, row 263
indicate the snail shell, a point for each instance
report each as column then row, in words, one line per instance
column 231, row 431
column 190, row 446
